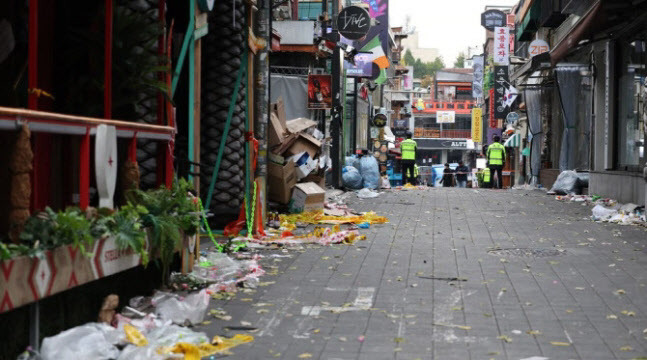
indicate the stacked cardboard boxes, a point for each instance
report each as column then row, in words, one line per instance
column 297, row 167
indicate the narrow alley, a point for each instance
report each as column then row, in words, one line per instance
column 456, row 274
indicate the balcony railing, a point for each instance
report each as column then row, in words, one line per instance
column 433, row 106
column 442, row 134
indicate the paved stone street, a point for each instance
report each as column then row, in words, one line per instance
column 442, row 281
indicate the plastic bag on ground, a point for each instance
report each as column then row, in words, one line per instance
column 602, row 213
column 192, row 308
column 88, row 341
column 218, row 267
column 367, row 194
column 370, row 172
column 567, row 183
column 351, row 178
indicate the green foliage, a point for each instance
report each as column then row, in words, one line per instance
column 125, row 226
column 460, row 61
column 50, row 229
column 409, row 60
column 422, row 69
column 166, row 213
column 170, row 212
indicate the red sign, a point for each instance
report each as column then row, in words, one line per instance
column 492, row 119
column 319, row 91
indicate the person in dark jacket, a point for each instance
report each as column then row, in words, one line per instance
column 461, row 174
column 448, row 177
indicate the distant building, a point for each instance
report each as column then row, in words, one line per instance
column 424, row 54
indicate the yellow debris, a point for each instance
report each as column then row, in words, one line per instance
column 134, row 336
column 318, row 217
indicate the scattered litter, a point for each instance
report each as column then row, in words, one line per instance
column 443, row 278
column 560, row 343
column 191, row 309
column 366, row 193
column 505, row 338
column 318, row 217
column 88, row 341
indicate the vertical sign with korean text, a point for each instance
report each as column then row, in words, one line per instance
column 501, row 46
column 492, row 105
column 501, row 84
column 477, row 82
column 477, row 121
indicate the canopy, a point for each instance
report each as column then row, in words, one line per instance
column 513, row 141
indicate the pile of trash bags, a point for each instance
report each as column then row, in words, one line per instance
column 361, row 173
column 570, row 182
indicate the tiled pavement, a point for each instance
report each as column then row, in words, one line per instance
column 581, row 295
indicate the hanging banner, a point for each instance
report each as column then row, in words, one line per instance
column 408, row 79
column 373, row 47
column 477, row 82
column 445, row 117
column 501, row 46
column 477, row 121
column 319, row 91
column 501, row 85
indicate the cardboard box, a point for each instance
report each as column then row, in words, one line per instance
column 300, row 125
column 317, row 179
column 304, row 142
column 283, row 147
column 279, row 108
column 280, row 181
column 304, row 164
column 277, row 131
column 307, row 197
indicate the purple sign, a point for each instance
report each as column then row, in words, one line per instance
column 373, row 62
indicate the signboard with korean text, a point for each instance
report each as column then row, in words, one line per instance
column 501, row 85
column 501, row 45
column 491, row 118
column 445, row 117
column 493, row 18
column 477, row 121
column 319, row 91
column 477, row 82
column 537, row 47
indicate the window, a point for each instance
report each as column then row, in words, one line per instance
column 632, row 107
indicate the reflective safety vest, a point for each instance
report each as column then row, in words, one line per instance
column 486, row 175
column 416, row 172
column 408, row 148
column 496, row 154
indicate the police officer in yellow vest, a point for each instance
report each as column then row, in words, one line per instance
column 416, row 173
column 486, row 177
column 496, row 160
column 408, row 148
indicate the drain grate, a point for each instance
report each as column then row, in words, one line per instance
column 526, row 252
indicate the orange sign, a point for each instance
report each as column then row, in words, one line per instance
column 538, row 47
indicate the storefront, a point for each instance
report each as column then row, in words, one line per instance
column 440, row 151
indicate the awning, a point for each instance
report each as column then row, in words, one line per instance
column 530, row 22
column 579, row 31
column 513, row 141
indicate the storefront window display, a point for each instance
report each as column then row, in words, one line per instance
column 632, row 112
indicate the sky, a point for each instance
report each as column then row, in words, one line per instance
column 448, row 25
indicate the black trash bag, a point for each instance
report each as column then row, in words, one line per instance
column 567, row 182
